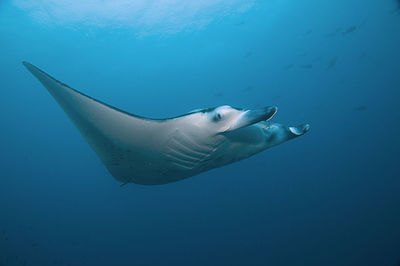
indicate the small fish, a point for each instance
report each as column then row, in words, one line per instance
column 240, row 23
column 362, row 55
column 248, row 54
column 360, row 108
column 332, row 63
column 333, row 33
column 288, row 67
column 308, row 32
column 318, row 58
column 349, row 30
column 218, row 94
column 248, row 88
column 309, row 66
column 276, row 97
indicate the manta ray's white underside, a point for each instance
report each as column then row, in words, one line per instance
column 157, row 151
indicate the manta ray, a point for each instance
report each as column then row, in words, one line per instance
column 149, row 151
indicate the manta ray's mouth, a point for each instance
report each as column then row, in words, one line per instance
column 251, row 117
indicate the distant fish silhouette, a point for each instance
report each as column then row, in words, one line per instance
column 360, row 108
column 332, row 63
column 218, row 94
column 248, row 88
column 308, row 66
column 240, row 23
column 288, row 67
column 362, row 55
column 318, row 58
column 248, row 54
column 349, row 30
column 308, row 32
column 276, row 97
column 335, row 32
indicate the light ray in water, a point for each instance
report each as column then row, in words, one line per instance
column 162, row 16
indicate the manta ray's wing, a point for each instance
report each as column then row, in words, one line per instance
column 125, row 143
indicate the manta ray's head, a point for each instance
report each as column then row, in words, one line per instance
column 225, row 118
column 243, row 132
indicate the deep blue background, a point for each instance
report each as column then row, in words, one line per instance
column 331, row 197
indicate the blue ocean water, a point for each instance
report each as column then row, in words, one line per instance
column 330, row 197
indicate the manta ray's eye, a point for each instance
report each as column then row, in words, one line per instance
column 217, row 117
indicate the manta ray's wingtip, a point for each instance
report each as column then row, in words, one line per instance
column 40, row 74
column 29, row 66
